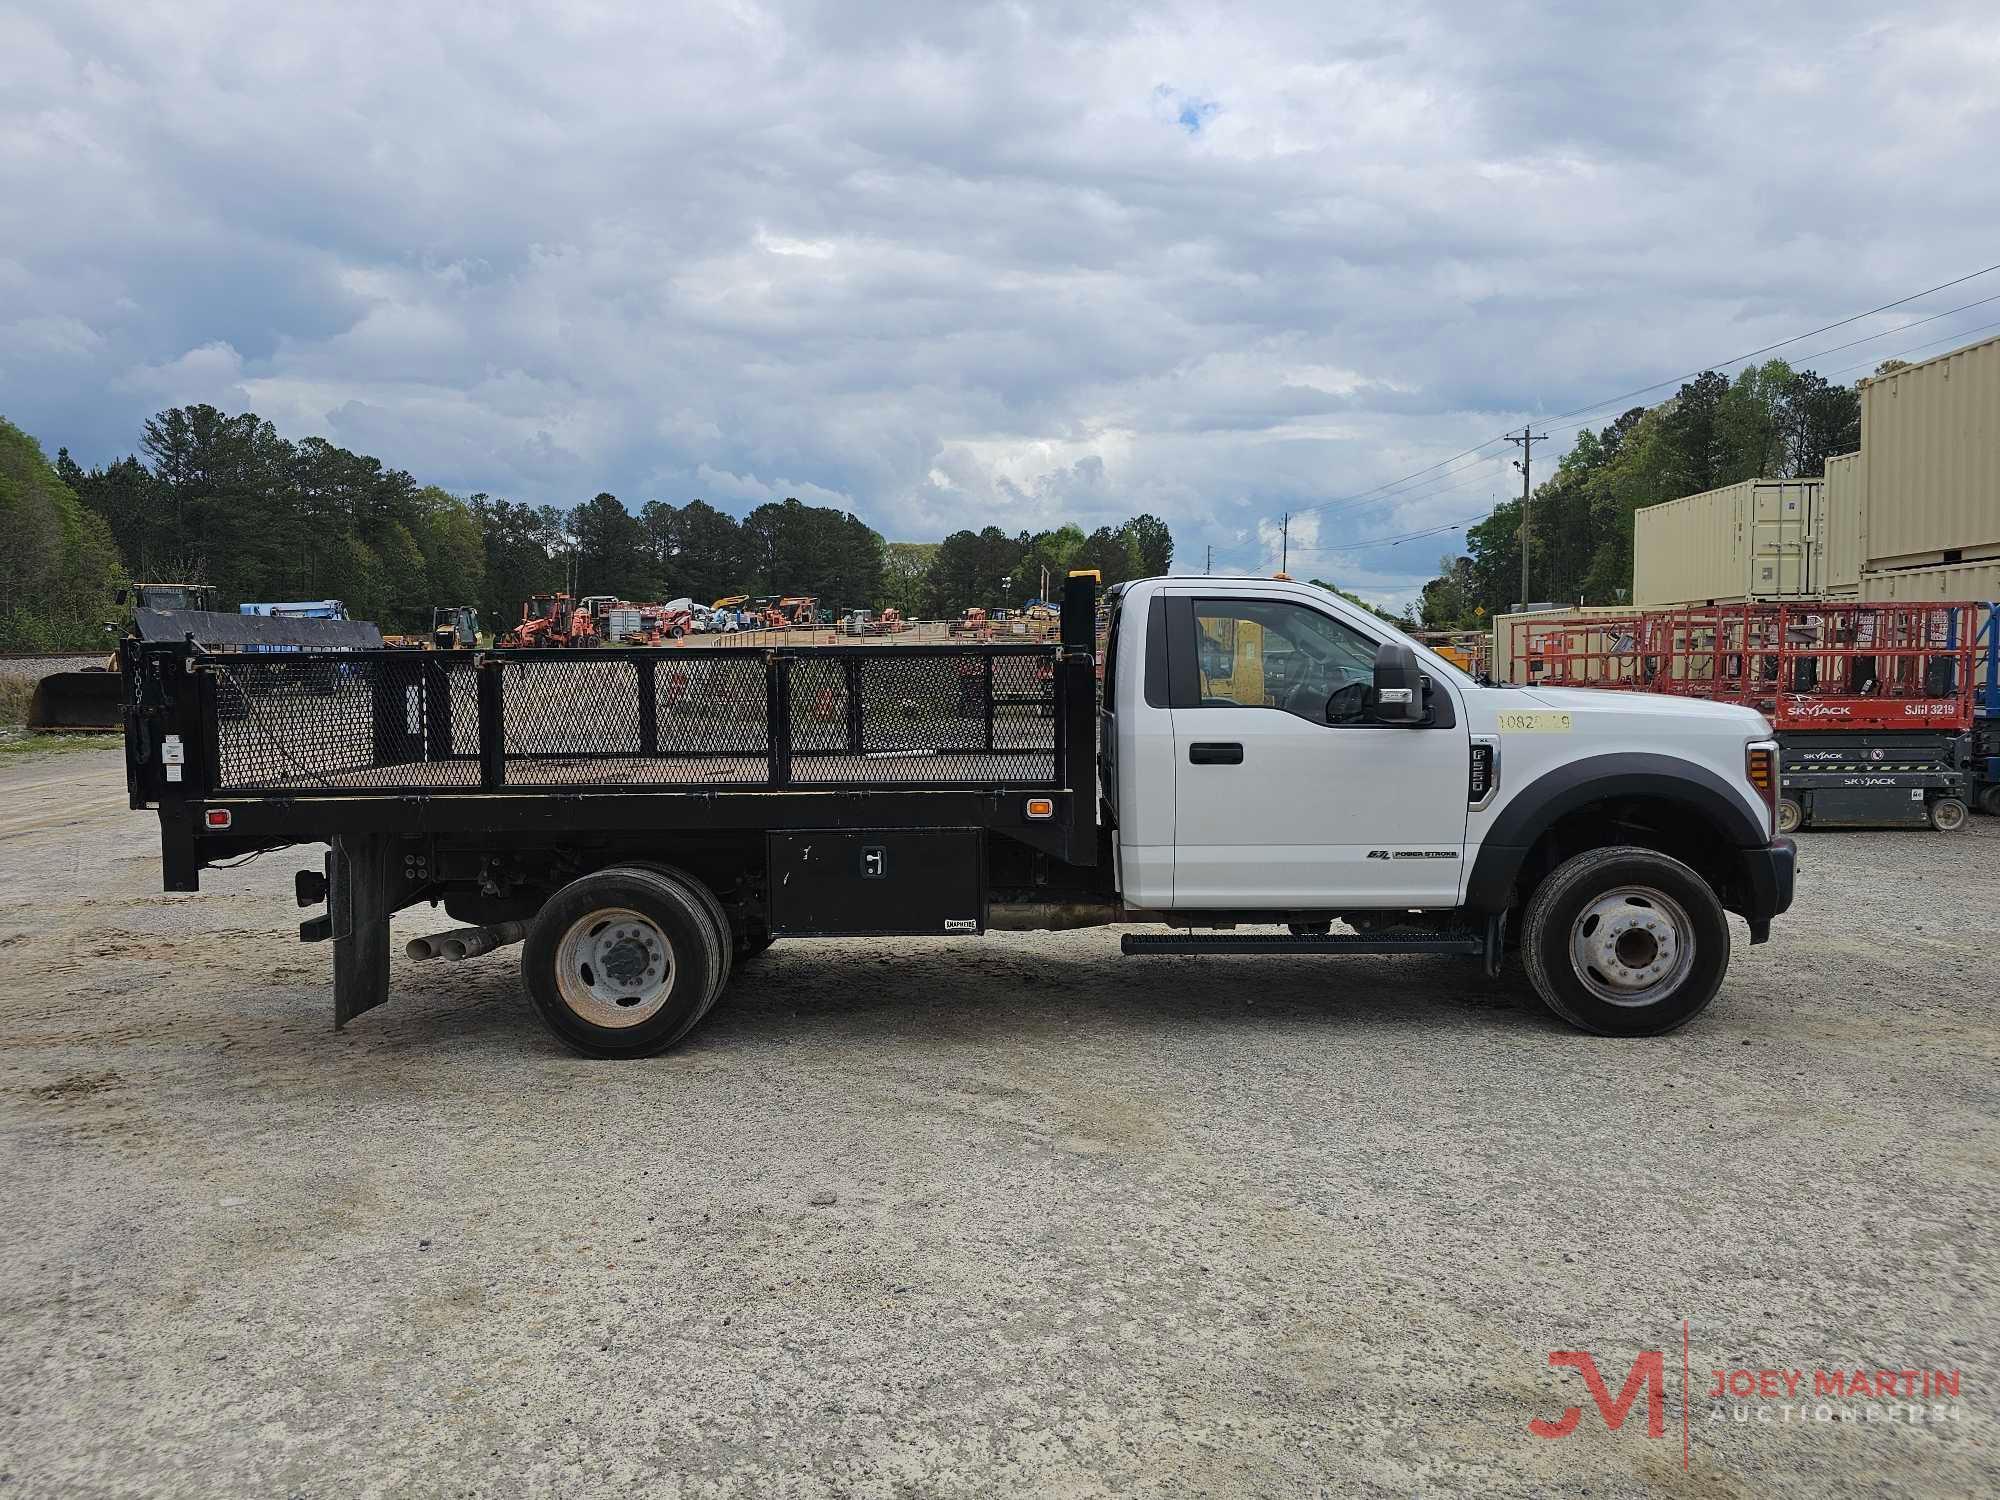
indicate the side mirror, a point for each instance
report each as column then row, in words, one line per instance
column 1399, row 686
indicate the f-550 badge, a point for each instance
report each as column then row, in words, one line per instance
column 1413, row 854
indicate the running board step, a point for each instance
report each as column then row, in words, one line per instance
column 1260, row 942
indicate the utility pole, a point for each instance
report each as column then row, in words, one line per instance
column 1285, row 545
column 1209, row 566
column 1527, row 437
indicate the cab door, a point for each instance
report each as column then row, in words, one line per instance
column 1277, row 808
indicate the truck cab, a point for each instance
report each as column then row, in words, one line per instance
column 1269, row 748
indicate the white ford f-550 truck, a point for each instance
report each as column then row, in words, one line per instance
column 1261, row 761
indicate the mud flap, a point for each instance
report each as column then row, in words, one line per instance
column 360, row 870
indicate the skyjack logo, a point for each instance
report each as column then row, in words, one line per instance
column 1805, row 708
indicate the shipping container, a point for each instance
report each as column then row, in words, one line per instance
column 1508, row 663
column 1973, row 580
column 1837, row 531
column 1977, row 581
column 1930, row 460
column 1753, row 540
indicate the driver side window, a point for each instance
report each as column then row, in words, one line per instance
column 1266, row 653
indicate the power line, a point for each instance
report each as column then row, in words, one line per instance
column 1816, row 354
column 1663, row 384
column 1949, row 338
column 1258, row 543
column 1397, row 540
column 1591, row 407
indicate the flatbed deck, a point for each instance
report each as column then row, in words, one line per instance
column 245, row 751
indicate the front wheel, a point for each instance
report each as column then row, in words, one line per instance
column 1625, row 942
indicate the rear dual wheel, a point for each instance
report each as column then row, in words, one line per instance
column 626, row 962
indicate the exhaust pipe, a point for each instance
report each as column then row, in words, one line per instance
column 465, row 942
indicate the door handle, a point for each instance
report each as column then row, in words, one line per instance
column 1215, row 755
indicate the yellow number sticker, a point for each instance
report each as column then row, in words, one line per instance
column 1518, row 722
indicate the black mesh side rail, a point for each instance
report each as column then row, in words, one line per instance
column 834, row 716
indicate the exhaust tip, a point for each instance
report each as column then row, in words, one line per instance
column 454, row 948
column 419, row 949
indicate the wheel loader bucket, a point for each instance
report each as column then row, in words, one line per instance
column 89, row 702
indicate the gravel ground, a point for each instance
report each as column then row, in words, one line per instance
column 35, row 667
column 1098, row 1226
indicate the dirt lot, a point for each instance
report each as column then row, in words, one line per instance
column 1101, row 1226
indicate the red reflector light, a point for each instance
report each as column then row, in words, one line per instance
column 218, row 817
column 1041, row 807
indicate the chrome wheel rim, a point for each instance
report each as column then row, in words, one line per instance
column 615, row 968
column 1632, row 945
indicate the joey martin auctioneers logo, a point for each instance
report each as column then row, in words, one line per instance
column 1745, row 1394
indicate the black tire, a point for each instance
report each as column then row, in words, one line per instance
column 661, row 914
column 1948, row 814
column 1989, row 800
column 1791, row 816
column 1607, row 908
column 716, row 914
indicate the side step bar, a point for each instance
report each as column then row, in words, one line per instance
column 1490, row 946
column 1284, row 942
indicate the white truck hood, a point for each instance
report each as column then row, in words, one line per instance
column 1608, row 702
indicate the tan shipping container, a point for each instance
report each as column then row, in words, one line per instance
column 1930, row 459
column 1973, row 580
column 1508, row 665
column 1753, row 540
column 1838, row 528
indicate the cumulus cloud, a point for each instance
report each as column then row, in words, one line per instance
column 955, row 266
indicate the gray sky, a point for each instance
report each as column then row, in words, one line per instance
column 953, row 267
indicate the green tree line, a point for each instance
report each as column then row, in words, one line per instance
column 58, row 562
column 222, row 499
column 1769, row 423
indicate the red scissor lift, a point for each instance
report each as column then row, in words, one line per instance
column 1872, row 702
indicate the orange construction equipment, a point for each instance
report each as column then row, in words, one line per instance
column 552, row 620
column 793, row 609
